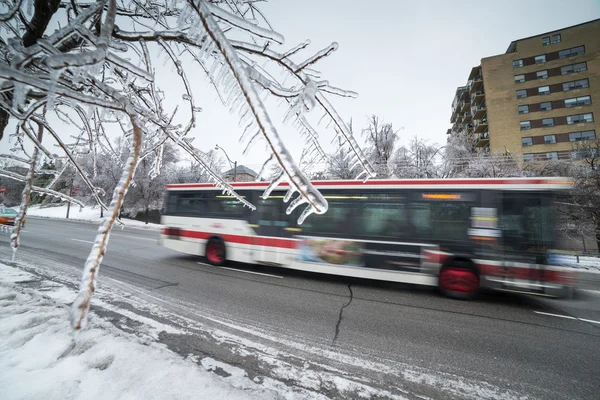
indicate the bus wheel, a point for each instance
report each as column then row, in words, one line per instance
column 458, row 283
column 215, row 252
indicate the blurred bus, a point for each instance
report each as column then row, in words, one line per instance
column 461, row 235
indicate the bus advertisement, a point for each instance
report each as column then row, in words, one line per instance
column 461, row 235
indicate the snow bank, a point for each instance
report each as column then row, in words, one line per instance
column 41, row 357
column 88, row 214
column 587, row 263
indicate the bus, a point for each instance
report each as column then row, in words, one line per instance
column 461, row 235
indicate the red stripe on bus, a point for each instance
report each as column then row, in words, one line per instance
column 433, row 182
column 240, row 239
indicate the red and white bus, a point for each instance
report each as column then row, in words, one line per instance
column 459, row 234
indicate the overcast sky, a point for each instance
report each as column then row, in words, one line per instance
column 404, row 58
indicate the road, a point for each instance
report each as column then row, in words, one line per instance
column 407, row 340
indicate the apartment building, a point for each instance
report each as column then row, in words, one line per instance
column 537, row 99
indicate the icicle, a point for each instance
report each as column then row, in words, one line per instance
column 307, row 211
column 19, row 96
column 295, row 203
column 273, row 185
column 289, row 194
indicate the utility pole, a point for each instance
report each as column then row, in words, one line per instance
column 235, row 171
column 70, row 194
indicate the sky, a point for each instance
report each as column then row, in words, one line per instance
column 405, row 60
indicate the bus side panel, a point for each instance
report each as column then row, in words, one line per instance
column 195, row 232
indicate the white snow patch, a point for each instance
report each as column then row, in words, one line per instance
column 13, row 275
column 87, row 214
column 41, row 357
column 587, row 263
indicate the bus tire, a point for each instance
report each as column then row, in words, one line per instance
column 215, row 252
column 458, row 279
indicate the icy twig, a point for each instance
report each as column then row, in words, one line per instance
column 81, row 305
column 26, row 195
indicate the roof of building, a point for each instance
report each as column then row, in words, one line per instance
column 241, row 169
column 513, row 45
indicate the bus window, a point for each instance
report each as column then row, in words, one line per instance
column 340, row 219
column 385, row 220
column 526, row 222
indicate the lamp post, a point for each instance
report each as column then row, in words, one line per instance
column 234, row 163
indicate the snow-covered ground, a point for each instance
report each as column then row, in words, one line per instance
column 42, row 358
column 88, row 214
column 585, row 263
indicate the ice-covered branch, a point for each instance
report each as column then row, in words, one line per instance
column 241, row 23
column 25, row 197
column 81, row 305
column 316, row 202
column 321, row 54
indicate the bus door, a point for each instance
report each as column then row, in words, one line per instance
column 269, row 221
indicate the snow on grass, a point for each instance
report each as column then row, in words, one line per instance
column 41, row 357
column 587, row 263
column 87, row 214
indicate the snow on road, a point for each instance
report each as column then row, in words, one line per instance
column 87, row 214
column 42, row 358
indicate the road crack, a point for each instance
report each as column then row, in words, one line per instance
column 337, row 326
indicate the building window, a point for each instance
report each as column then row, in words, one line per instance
column 542, row 74
column 553, row 155
column 571, row 68
column 585, row 153
column 544, row 90
column 578, row 101
column 527, row 157
column 579, row 118
column 545, row 40
column 549, row 139
column 585, row 135
column 578, row 84
column 556, row 38
column 572, row 52
column 521, row 94
column 540, row 59
column 527, row 141
column 517, row 63
column 547, row 122
column 524, row 109
column 519, row 78
column 546, row 106
column 525, row 125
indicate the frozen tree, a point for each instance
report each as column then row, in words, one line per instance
column 88, row 70
column 461, row 160
column 419, row 159
column 193, row 172
column 381, row 140
column 583, row 207
column 147, row 191
column 339, row 164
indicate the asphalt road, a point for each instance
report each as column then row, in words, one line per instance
column 520, row 345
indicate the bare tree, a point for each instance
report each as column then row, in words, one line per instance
column 583, row 209
column 339, row 164
column 381, row 140
column 419, row 159
column 88, row 68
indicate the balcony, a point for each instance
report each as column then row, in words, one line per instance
column 480, row 125
column 467, row 117
column 483, row 139
column 466, row 104
column 478, row 96
column 478, row 111
column 475, row 71
column 477, row 84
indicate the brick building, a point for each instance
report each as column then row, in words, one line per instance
column 537, row 99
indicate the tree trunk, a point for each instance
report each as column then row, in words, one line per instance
column 598, row 237
column 147, row 215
